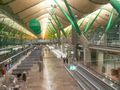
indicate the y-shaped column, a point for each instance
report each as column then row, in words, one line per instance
column 115, row 4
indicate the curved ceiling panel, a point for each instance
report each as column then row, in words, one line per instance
column 99, row 1
column 23, row 5
column 33, row 9
column 36, row 15
column 84, row 6
column 43, row 16
column 63, row 21
column 41, row 10
column 109, row 8
column 32, row 13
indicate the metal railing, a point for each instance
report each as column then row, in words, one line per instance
column 107, row 44
column 8, row 63
column 102, row 75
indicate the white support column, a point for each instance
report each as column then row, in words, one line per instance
column 87, row 56
column 86, row 50
column 100, row 60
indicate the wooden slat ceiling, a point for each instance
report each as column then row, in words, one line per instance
column 84, row 6
column 20, row 5
column 40, row 9
column 28, row 9
column 99, row 1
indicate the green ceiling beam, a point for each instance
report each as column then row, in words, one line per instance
column 88, row 24
column 51, row 29
column 55, row 29
column 117, row 19
column 64, row 13
column 82, row 22
column 109, row 22
column 60, row 26
column 73, row 17
column 116, row 5
column 56, row 20
column 49, row 33
column 75, row 26
column 93, row 21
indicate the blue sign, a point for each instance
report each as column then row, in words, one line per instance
column 73, row 67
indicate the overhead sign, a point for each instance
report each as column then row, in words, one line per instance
column 35, row 26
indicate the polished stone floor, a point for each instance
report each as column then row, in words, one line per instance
column 53, row 77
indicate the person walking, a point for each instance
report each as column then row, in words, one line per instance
column 66, row 60
column 40, row 66
column 24, row 76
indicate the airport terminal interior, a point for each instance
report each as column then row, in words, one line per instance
column 59, row 44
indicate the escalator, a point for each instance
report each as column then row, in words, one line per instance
column 88, row 81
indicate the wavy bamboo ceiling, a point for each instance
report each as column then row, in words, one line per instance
column 40, row 9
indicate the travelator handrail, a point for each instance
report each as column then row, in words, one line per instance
column 11, row 47
column 8, row 48
column 102, row 75
column 10, row 58
column 108, row 44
